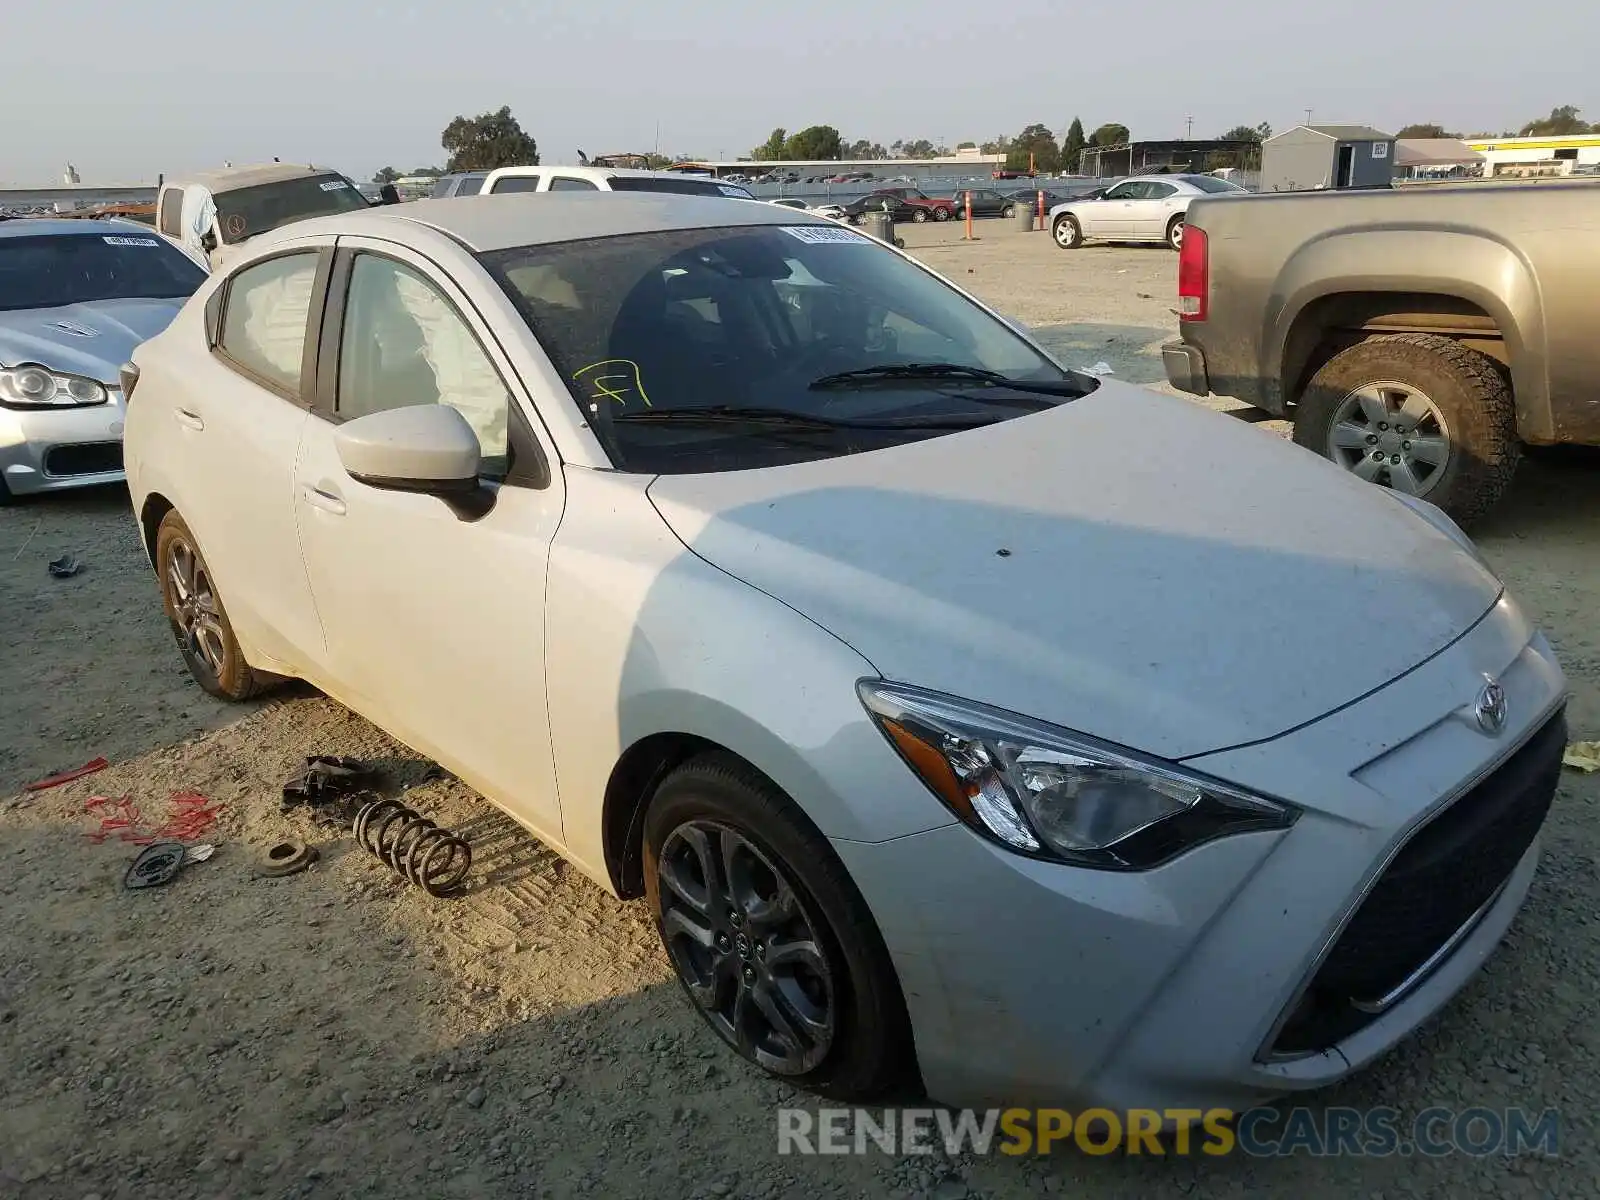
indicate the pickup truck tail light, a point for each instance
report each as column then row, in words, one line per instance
column 1194, row 275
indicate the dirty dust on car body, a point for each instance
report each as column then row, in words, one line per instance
column 602, row 1040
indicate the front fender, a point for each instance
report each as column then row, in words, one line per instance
column 1474, row 266
column 645, row 637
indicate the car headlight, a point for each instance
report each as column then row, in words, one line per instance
column 32, row 386
column 1048, row 793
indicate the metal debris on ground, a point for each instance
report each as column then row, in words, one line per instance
column 61, row 777
column 156, row 864
column 285, row 858
column 1584, row 756
column 428, row 856
column 64, row 567
column 328, row 785
column 191, row 818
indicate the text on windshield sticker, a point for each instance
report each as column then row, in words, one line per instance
column 128, row 241
column 335, row 185
column 817, row 235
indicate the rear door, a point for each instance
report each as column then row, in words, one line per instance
column 238, row 413
column 1151, row 211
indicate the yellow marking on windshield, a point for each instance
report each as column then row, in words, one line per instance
column 613, row 379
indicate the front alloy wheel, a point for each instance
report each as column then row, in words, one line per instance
column 746, row 948
column 920, row 216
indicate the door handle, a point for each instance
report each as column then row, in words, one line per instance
column 326, row 501
column 192, row 419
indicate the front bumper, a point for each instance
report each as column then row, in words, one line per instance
column 46, row 450
column 1032, row 983
column 1186, row 368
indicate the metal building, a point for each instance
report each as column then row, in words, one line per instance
column 1314, row 157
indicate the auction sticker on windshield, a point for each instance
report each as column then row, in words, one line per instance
column 130, row 241
column 818, row 234
column 335, row 185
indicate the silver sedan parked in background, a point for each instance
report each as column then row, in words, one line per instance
column 1150, row 209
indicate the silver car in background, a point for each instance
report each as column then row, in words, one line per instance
column 1148, row 209
column 75, row 298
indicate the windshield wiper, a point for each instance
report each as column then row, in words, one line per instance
column 954, row 372
column 784, row 419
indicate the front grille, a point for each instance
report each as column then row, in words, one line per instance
column 86, row 458
column 1448, row 870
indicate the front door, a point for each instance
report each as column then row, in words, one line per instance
column 1112, row 216
column 434, row 621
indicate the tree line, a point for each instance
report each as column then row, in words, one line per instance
column 497, row 139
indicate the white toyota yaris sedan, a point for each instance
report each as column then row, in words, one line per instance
column 954, row 712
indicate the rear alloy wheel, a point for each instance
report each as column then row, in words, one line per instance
column 1067, row 232
column 1175, row 233
column 1418, row 413
column 768, row 936
column 920, row 215
column 198, row 620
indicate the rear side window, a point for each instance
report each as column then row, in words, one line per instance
column 441, row 187
column 471, row 185
column 566, row 183
column 678, row 186
column 516, row 183
column 264, row 322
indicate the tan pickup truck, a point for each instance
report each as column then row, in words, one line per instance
column 1419, row 337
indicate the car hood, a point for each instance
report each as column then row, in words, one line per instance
column 1127, row 565
column 92, row 340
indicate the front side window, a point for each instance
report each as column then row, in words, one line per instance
column 82, row 268
column 471, row 185
column 403, row 343
column 171, row 218
column 264, row 323
column 568, row 183
column 853, row 346
column 245, row 212
column 1123, row 191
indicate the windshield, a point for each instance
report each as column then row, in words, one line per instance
column 81, row 268
column 252, row 210
column 680, row 185
column 1213, row 185
column 765, row 319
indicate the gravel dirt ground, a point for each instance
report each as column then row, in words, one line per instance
column 336, row 1033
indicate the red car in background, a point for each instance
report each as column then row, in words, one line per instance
column 906, row 203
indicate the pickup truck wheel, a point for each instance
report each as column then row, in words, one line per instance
column 1175, row 233
column 1419, row 413
column 1067, row 232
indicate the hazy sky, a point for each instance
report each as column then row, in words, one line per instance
column 124, row 91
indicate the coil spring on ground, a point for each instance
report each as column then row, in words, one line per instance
column 434, row 859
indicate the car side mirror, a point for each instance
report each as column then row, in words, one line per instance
column 426, row 448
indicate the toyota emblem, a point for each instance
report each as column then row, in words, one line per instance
column 1490, row 707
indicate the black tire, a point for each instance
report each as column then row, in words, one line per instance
column 1469, row 390
column 1009, row 211
column 941, row 214
column 1175, row 233
column 231, row 678
column 5, row 493
column 920, row 215
column 868, row 1050
column 1066, row 231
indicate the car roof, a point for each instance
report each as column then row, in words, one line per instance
column 484, row 223
column 589, row 172
column 55, row 226
column 232, row 178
